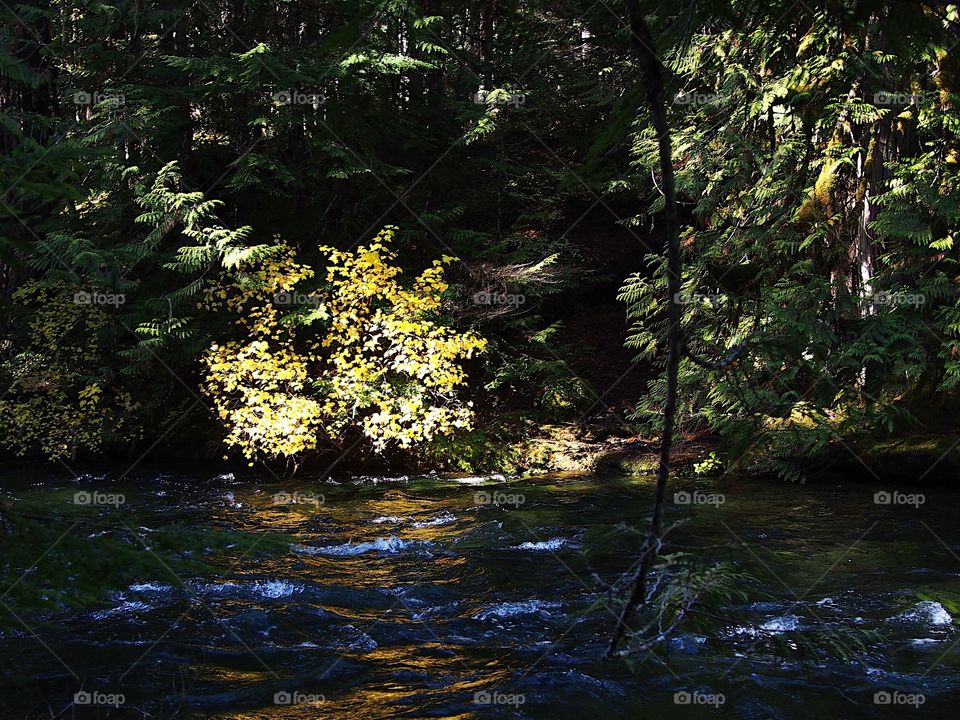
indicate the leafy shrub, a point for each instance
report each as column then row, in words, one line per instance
column 383, row 361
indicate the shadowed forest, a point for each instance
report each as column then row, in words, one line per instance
column 479, row 359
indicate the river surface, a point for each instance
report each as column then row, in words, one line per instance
column 430, row 597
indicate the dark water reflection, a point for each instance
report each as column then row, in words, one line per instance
column 408, row 597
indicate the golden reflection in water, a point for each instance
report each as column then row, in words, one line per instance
column 403, row 669
column 309, row 509
column 449, row 674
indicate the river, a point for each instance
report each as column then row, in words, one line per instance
column 438, row 597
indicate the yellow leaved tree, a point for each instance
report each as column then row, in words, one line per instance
column 375, row 356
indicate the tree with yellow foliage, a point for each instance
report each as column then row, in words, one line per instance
column 384, row 364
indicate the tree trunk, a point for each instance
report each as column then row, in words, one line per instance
column 653, row 77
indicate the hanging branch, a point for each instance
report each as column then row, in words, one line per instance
column 652, row 70
column 726, row 361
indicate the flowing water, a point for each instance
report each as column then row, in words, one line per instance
column 430, row 597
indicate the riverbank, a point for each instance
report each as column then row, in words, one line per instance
column 529, row 448
column 900, row 460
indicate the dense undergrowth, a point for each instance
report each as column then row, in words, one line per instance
column 192, row 199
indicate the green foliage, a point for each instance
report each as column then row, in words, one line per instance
column 819, row 178
column 146, row 146
column 685, row 593
column 709, row 465
column 147, row 149
column 58, row 397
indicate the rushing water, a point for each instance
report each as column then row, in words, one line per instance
column 417, row 597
